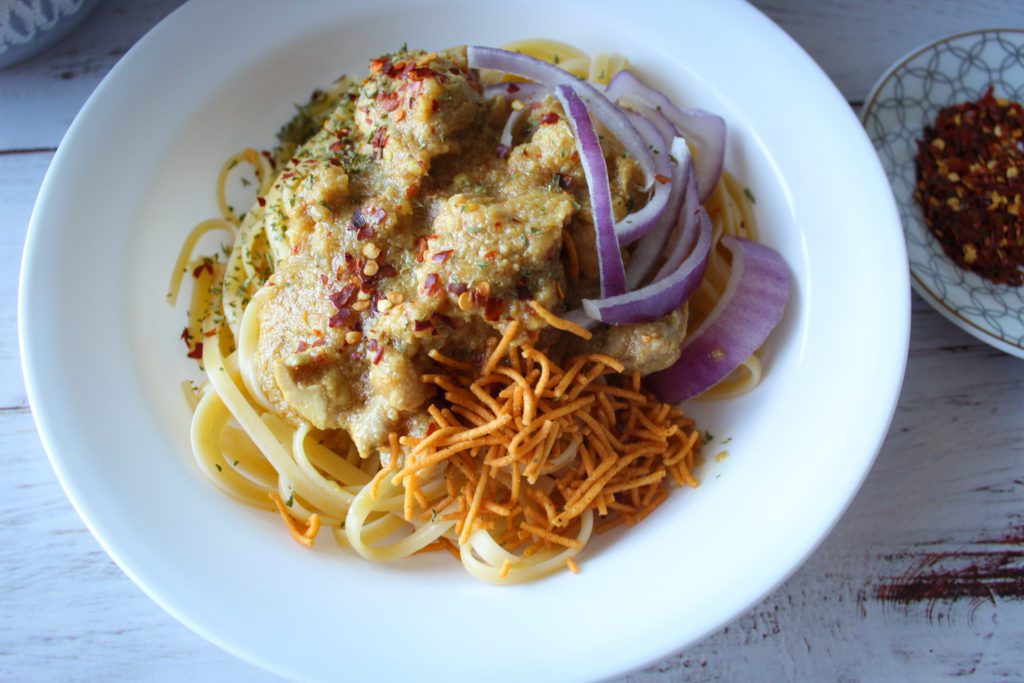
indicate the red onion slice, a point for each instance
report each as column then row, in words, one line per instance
column 689, row 215
column 513, row 120
column 613, row 118
column 612, row 271
column 750, row 307
column 704, row 131
column 516, row 91
column 650, row 249
column 640, row 222
column 638, row 106
column 661, row 296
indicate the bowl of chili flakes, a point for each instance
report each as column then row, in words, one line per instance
column 946, row 123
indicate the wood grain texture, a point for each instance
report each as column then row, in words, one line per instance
column 920, row 581
column 854, row 41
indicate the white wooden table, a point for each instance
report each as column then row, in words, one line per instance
column 923, row 579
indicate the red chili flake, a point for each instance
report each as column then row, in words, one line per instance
column 491, row 254
column 341, row 298
column 970, row 184
column 358, row 266
column 522, row 290
column 661, row 179
column 502, row 151
column 412, row 191
column 550, row 117
column 358, row 223
column 197, row 351
column 261, row 201
column 458, row 288
column 388, row 101
column 431, row 429
column 204, row 266
column 431, row 284
column 386, row 270
column 420, row 73
column 323, row 279
column 209, row 333
column 446, row 320
column 340, row 318
column 493, row 309
column 441, row 256
column 380, row 138
column 318, row 342
column 421, row 249
column 435, row 105
column 334, row 162
column 380, row 354
column 185, row 336
column 295, row 250
column 512, row 88
column 302, row 346
column 380, row 64
column 421, row 325
column 338, row 146
column 350, row 261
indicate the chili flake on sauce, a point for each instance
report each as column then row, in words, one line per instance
column 970, row 181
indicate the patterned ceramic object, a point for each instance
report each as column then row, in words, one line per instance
column 904, row 100
column 29, row 26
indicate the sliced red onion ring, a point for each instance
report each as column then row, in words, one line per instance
column 613, row 118
column 580, row 317
column 689, row 216
column 609, row 256
column 639, row 223
column 750, row 307
column 661, row 296
column 664, row 126
column 516, row 91
column 649, row 250
column 510, row 126
column 704, row 131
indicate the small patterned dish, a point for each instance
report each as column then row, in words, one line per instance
column 30, row 26
column 906, row 99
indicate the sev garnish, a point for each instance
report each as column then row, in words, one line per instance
column 523, row 453
column 304, row 535
column 560, row 323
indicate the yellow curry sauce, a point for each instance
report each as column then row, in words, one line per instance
column 411, row 231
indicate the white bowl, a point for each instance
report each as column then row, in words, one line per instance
column 103, row 362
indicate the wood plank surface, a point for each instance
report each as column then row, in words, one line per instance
column 922, row 579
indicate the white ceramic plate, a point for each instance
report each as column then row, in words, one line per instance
column 906, row 99
column 102, row 359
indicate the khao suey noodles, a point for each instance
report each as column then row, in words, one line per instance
column 469, row 293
